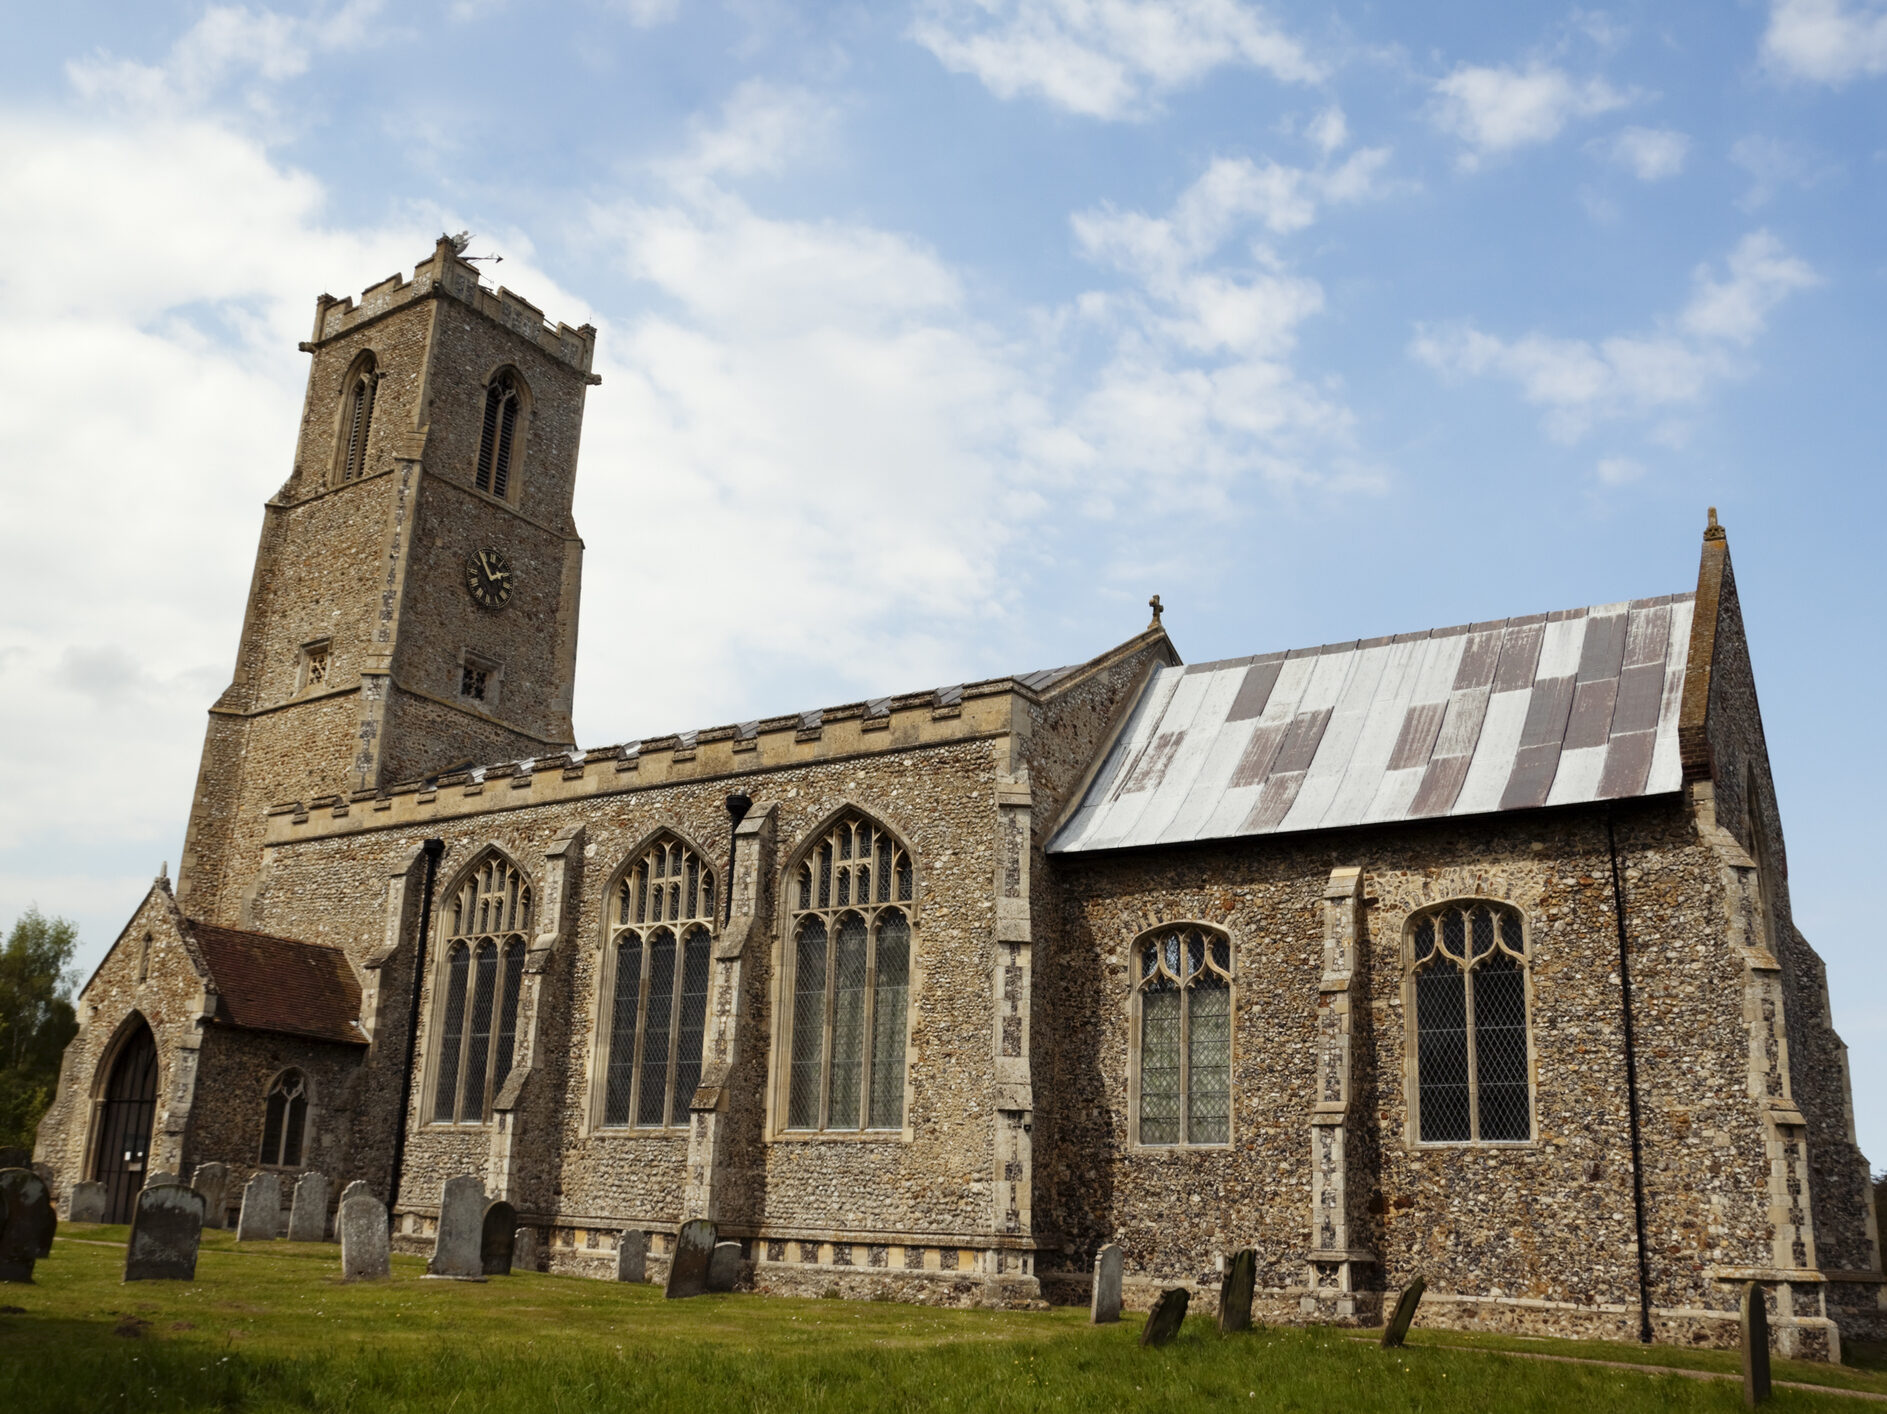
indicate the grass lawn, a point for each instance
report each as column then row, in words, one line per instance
column 271, row 1327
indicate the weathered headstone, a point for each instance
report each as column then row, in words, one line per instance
column 497, row 1242
column 724, row 1266
column 161, row 1178
column 1104, row 1306
column 85, row 1202
column 1166, row 1317
column 1397, row 1330
column 1241, row 1276
column 27, row 1227
column 524, row 1250
column 688, row 1267
column 1755, row 1346
column 359, row 1185
column 632, row 1255
column 212, row 1181
column 261, row 1216
column 166, row 1227
column 456, row 1246
column 361, row 1225
column 308, row 1214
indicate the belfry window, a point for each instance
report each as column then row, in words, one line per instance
column 849, row 960
column 661, row 941
column 357, row 420
column 285, row 1120
column 1473, row 1068
column 497, row 438
column 486, row 924
column 1184, row 993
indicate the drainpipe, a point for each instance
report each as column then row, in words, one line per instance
column 738, row 804
column 432, row 850
column 1631, row 1092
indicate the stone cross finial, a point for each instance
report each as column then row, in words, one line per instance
column 1713, row 531
column 1158, row 609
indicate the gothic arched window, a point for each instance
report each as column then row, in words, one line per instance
column 1473, row 1071
column 1183, row 985
column 486, row 923
column 849, row 965
column 356, row 420
column 656, row 971
column 285, row 1120
column 497, row 438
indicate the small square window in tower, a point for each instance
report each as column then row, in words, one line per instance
column 478, row 680
column 314, row 666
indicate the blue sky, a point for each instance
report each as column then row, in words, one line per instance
column 936, row 337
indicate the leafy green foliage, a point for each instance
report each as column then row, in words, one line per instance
column 36, row 1019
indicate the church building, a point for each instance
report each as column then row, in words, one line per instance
column 1464, row 953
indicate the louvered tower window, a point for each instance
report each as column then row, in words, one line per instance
column 1473, row 1070
column 661, row 943
column 486, row 926
column 357, row 425
column 850, row 956
column 1184, row 981
column 497, row 439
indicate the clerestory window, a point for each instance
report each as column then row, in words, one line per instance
column 1473, row 1068
column 356, row 420
column 285, row 1120
column 849, row 966
column 1183, row 989
column 486, row 925
column 497, row 438
column 658, row 963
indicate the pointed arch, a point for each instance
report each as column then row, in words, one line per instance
column 851, row 891
column 1180, row 1070
column 660, row 914
column 485, row 920
column 125, row 1087
column 1468, row 998
column 287, row 1106
column 354, row 426
column 504, row 416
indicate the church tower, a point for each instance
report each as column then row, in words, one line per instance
column 414, row 602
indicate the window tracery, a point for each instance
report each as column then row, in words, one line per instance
column 486, row 923
column 1473, row 1063
column 850, row 964
column 1184, row 989
column 497, row 440
column 357, row 419
column 285, row 1120
column 660, row 951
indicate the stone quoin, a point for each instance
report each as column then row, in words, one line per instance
column 1466, row 952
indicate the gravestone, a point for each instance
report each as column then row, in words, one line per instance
column 456, row 1246
column 361, row 1226
column 632, row 1255
column 524, row 1249
column 1166, row 1317
column 1755, row 1346
column 212, row 1181
column 1397, row 1330
column 162, row 1178
column 497, row 1242
column 27, row 1228
column 85, row 1203
column 1241, row 1276
column 688, row 1267
column 1104, row 1306
column 359, row 1185
column 166, row 1227
column 724, row 1266
column 261, row 1216
column 308, row 1214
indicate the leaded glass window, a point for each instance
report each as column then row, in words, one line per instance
column 658, row 965
column 486, row 924
column 285, row 1120
column 1183, row 977
column 850, row 955
column 1473, row 1071
column 497, row 438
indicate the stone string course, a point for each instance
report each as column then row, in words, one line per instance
column 1016, row 1160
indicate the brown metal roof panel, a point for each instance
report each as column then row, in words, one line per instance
column 1441, row 783
column 1627, row 765
column 1646, row 639
column 1461, row 723
column 1274, row 803
column 1478, row 658
column 1255, row 691
column 1332, row 757
column 1532, row 778
column 1640, row 694
column 1519, row 655
column 1547, row 712
column 1591, row 720
column 1300, row 743
column 1604, row 647
column 1195, row 779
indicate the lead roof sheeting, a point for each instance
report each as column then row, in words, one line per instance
column 1546, row 709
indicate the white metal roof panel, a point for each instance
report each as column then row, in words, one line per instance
column 1549, row 709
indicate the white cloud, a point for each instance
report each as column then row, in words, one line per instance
column 1619, row 471
column 1497, row 109
column 1649, row 154
column 1826, row 41
column 1105, row 58
column 1581, row 382
column 646, row 14
column 761, row 129
column 1773, row 164
column 1330, row 130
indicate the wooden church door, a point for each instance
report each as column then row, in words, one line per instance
column 124, row 1133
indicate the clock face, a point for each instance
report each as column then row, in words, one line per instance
column 488, row 578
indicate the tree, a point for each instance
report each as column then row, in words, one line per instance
column 36, row 1019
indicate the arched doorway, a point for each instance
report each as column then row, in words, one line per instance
column 124, row 1123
